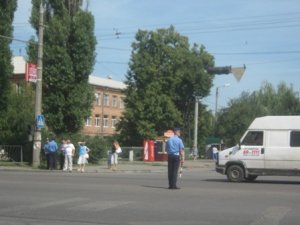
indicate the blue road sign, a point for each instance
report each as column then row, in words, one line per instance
column 40, row 121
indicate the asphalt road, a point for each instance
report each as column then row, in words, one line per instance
column 205, row 197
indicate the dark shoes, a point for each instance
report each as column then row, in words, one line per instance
column 174, row 188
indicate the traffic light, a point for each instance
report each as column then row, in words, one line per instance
column 219, row 70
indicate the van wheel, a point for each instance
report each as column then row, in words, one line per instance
column 251, row 178
column 235, row 173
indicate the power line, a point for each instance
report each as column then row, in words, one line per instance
column 19, row 40
column 258, row 53
column 111, row 62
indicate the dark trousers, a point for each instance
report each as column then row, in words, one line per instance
column 52, row 160
column 47, row 160
column 173, row 166
column 61, row 160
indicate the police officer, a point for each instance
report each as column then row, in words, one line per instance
column 175, row 150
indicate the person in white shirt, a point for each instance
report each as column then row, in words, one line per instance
column 69, row 153
column 215, row 153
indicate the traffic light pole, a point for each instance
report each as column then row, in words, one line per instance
column 37, row 141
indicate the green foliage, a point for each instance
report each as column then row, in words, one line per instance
column 7, row 10
column 234, row 120
column 16, row 121
column 164, row 76
column 69, row 56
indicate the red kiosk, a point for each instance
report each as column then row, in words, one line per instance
column 156, row 150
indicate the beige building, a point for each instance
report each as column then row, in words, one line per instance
column 107, row 107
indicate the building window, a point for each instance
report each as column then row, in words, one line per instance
column 98, row 98
column 114, row 101
column 97, row 121
column 295, row 139
column 88, row 121
column 106, row 100
column 114, row 122
column 121, row 103
column 105, row 121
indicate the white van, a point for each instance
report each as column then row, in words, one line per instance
column 270, row 146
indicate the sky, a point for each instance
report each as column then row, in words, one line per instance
column 263, row 35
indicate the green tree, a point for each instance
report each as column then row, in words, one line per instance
column 16, row 121
column 234, row 120
column 7, row 10
column 69, row 56
column 164, row 75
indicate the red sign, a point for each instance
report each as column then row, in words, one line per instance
column 31, row 72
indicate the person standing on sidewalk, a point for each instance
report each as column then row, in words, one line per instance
column 62, row 153
column 83, row 156
column 175, row 150
column 116, row 149
column 69, row 153
column 46, row 152
column 52, row 148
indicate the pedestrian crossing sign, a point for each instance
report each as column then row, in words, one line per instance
column 40, row 121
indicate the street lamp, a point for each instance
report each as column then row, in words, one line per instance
column 217, row 97
column 236, row 71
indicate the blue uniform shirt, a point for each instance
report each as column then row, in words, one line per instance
column 174, row 145
column 52, row 146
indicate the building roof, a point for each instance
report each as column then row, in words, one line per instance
column 19, row 64
column 106, row 82
column 276, row 123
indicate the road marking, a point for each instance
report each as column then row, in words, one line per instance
column 271, row 216
column 99, row 205
column 21, row 208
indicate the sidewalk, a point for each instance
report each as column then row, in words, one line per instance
column 127, row 167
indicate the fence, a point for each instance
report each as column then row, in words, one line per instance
column 11, row 153
column 137, row 153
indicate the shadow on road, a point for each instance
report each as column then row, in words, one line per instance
column 156, row 187
column 257, row 181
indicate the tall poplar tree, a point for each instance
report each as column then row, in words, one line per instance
column 69, row 56
column 164, row 75
column 7, row 10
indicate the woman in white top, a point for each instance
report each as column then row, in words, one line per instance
column 69, row 153
column 116, row 149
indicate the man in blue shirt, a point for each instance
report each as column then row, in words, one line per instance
column 52, row 148
column 175, row 150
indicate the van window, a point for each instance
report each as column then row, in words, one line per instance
column 295, row 139
column 253, row 138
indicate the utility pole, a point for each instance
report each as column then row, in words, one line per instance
column 37, row 141
column 195, row 144
column 217, row 98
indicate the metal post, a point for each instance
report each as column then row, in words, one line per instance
column 217, row 99
column 21, row 156
column 216, row 107
column 197, row 98
column 37, row 142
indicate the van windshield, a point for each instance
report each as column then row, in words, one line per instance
column 253, row 138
